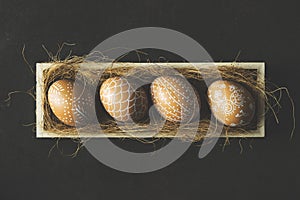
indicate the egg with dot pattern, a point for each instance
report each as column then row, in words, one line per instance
column 174, row 98
column 70, row 102
column 121, row 101
column 231, row 103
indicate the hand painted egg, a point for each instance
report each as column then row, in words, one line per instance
column 175, row 99
column 72, row 107
column 231, row 103
column 121, row 101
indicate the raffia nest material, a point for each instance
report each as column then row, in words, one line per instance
column 69, row 68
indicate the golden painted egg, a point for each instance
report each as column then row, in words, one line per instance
column 174, row 98
column 231, row 103
column 121, row 101
column 72, row 107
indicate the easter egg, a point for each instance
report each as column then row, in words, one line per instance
column 121, row 101
column 175, row 99
column 70, row 102
column 231, row 103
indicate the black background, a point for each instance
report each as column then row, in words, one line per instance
column 263, row 31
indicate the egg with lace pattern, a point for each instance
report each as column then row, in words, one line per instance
column 175, row 99
column 122, row 100
column 231, row 103
column 71, row 102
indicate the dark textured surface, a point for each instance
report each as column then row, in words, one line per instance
column 263, row 31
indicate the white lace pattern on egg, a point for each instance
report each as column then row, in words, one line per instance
column 121, row 101
column 228, row 106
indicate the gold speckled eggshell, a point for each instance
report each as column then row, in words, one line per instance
column 69, row 106
column 231, row 103
column 121, row 102
column 174, row 98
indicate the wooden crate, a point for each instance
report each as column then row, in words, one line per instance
column 40, row 67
